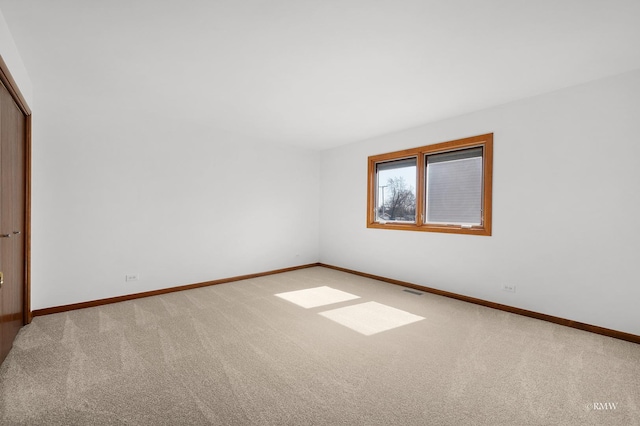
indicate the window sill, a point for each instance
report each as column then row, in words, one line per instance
column 450, row 229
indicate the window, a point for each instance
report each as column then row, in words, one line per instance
column 444, row 187
column 396, row 198
column 454, row 187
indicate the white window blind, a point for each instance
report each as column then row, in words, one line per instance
column 454, row 187
column 396, row 164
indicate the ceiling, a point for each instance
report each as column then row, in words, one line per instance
column 316, row 73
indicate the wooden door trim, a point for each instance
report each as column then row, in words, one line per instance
column 7, row 80
column 12, row 87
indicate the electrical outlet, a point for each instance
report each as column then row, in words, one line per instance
column 131, row 277
column 509, row 287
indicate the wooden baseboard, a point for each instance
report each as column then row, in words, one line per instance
column 550, row 318
column 92, row 303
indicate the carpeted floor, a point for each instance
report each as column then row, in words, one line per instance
column 255, row 352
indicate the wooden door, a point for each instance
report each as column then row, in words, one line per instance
column 12, row 219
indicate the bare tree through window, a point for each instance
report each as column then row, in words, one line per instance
column 399, row 200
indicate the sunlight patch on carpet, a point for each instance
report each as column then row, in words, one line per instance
column 371, row 317
column 318, row 296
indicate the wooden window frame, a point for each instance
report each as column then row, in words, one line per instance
column 485, row 141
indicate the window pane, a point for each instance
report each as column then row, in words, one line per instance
column 396, row 190
column 454, row 187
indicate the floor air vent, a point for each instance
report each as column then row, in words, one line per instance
column 413, row 292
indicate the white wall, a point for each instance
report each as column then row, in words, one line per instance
column 13, row 60
column 118, row 190
column 566, row 207
column 117, row 194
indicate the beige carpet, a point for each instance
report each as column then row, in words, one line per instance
column 237, row 354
